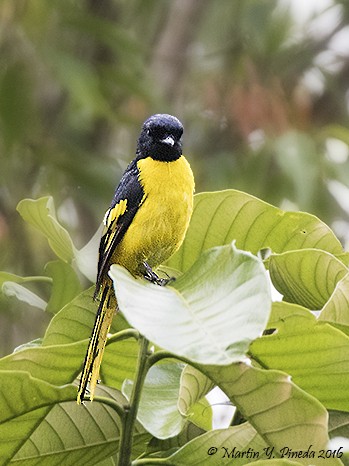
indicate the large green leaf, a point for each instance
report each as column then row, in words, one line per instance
column 119, row 362
column 41, row 214
column 307, row 277
column 75, row 321
column 224, row 216
column 158, row 411
column 314, row 353
column 209, row 315
column 222, row 445
column 336, row 310
column 42, row 424
column 57, row 364
column 24, row 402
column 282, row 413
column 286, row 419
column 60, row 364
column 65, row 285
column 72, row 435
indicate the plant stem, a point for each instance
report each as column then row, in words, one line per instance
column 130, row 411
column 159, row 356
column 123, row 335
column 150, row 461
column 112, row 403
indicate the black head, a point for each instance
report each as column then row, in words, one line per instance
column 160, row 138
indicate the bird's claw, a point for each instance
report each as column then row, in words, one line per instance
column 153, row 277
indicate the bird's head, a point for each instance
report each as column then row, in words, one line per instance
column 160, row 138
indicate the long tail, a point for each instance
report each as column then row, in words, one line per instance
column 93, row 358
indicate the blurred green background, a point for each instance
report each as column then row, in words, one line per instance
column 260, row 85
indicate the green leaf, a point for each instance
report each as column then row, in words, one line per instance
column 65, row 285
column 24, row 402
column 194, row 386
column 12, row 289
column 307, row 277
column 119, row 362
column 58, row 364
column 315, row 354
column 158, row 411
column 74, row 435
column 219, row 446
column 201, row 414
column 223, row 216
column 42, row 424
column 210, row 314
column 336, row 310
column 41, row 214
column 75, row 321
column 282, row 413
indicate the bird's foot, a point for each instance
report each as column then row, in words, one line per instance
column 153, row 277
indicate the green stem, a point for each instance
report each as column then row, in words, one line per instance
column 163, row 354
column 130, row 411
column 123, row 335
column 150, row 461
column 39, row 279
column 110, row 402
column 159, row 355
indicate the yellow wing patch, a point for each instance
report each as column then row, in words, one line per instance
column 114, row 213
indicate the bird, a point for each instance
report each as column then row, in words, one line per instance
column 144, row 226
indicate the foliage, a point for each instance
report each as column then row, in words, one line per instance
column 262, row 99
column 264, row 105
column 284, row 369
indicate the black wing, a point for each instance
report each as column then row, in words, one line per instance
column 128, row 197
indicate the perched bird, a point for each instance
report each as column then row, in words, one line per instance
column 145, row 224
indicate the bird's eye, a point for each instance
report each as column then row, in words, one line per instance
column 148, row 132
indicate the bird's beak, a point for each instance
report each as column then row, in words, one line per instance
column 169, row 140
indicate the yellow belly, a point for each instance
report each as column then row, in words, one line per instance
column 160, row 224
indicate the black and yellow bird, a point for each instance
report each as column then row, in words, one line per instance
column 145, row 224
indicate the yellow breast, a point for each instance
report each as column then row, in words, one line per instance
column 160, row 224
